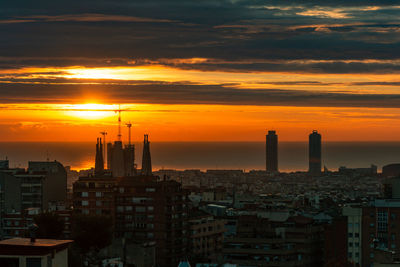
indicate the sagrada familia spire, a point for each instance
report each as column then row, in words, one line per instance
column 146, row 159
column 99, row 164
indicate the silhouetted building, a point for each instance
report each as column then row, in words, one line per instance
column 276, row 240
column 94, row 195
column 116, row 159
column 146, row 159
column 314, row 147
column 272, row 151
column 121, row 161
column 391, row 170
column 148, row 210
column 99, row 162
column 129, row 160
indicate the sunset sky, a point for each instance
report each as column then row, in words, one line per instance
column 205, row 70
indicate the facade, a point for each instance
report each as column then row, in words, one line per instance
column 206, row 235
column 292, row 241
column 94, row 195
column 335, row 248
column 314, row 150
column 354, row 234
column 148, row 210
column 381, row 229
column 25, row 252
column 272, row 152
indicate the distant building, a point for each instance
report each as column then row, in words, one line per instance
column 116, row 159
column 121, row 160
column 20, row 252
column 54, row 183
column 94, row 195
column 275, row 241
column 314, row 149
column 373, row 170
column 146, row 159
column 272, row 152
column 391, row 170
column 99, row 161
column 206, row 235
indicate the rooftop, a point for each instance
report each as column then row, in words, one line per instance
column 26, row 242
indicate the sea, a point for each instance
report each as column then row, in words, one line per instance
column 293, row 156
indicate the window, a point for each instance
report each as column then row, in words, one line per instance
column 120, row 208
column 85, row 194
column 357, row 254
column 33, row 262
column 128, row 208
column 98, row 203
column 393, row 216
column 98, row 212
column 150, row 235
column 85, row 211
column 350, row 234
column 393, row 237
column 150, row 189
column 121, row 190
column 140, row 209
column 393, row 246
column 357, row 235
column 99, row 194
column 350, row 255
column 350, row 225
column 350, row 245
column 150, row 208
column 85, row 203
column 357, row 245
column 17, row 223
column 371, row 255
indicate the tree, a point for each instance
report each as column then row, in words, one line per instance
column 50, row 225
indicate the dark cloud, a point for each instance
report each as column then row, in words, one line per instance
column 179, row 93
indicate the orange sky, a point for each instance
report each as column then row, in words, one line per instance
column 84, row 117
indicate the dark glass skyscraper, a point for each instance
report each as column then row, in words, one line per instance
column 314, row 149
column 272, row 151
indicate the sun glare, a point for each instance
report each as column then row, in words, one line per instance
column 91, row 111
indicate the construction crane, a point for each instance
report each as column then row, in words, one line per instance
column 129, row 125
column 119, row 122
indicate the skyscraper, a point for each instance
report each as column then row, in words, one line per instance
column 314, row 149
column 146, row 159
column 272, row 152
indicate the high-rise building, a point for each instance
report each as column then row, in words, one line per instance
column 146, row 159
column 148, row 210
column 314, row 150
column 272, row 152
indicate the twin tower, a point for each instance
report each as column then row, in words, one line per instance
column 314, row 152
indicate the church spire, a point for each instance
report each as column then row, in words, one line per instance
column 146, row 159
column 99, row 164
